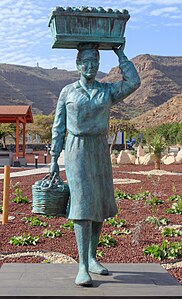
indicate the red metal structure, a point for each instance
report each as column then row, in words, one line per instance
column 18, row 115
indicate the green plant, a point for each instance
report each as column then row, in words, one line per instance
column 115, row 152
column 116, row 222
column 1, row 209
column 46, row 262
column 157, row 221
column 157, row 145
column 175, row 197
column 34, row 221
column 107, row 241
column 118, row 194
column 25, row 239
column 171, row 232
column 166, row 250
column 68, row 225
column 172, row 132
column 154, row 201
column 124, row 231
column 176, row 208
column 52, row 233
column 142, row 195
column 99, row 253
column 19, row 196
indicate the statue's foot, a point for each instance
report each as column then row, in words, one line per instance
column 83, row 279
column 97, row 268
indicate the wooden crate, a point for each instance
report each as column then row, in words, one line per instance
column 71, row 26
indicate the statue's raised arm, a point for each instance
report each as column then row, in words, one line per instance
column 130, row 81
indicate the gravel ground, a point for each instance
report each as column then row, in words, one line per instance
column 129, row 248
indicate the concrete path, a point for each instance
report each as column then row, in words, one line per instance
column 42, row 168
column 125, row 281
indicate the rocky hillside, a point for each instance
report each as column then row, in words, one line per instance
column 23, row 85
column 161, row 79
column 169, row 112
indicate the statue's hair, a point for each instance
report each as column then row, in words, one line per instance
column 87, row 46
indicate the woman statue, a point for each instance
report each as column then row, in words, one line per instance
column 83, row 111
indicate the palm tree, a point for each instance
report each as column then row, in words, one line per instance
column 157, row 146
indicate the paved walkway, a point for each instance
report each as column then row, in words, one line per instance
column 123, row 282
column 42, row 168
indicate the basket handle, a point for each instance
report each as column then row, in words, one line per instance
column 52, row 180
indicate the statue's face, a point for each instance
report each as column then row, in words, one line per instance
column 88, row 63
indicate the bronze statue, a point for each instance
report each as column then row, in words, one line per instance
column 83, row 111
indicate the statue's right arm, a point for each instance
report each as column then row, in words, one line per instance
column 58, row 132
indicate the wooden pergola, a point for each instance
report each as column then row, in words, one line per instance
column 18, row 115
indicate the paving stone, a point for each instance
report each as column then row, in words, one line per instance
column 126, row 281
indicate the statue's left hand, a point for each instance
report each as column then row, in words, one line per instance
column 120, row 49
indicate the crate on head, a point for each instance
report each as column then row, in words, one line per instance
column 71, row 26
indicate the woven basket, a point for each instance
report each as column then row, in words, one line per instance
column 50, row 196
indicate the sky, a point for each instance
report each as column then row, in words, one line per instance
column 154, row 27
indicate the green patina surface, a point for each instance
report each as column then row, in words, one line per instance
column 83, row 111
column 71, row 26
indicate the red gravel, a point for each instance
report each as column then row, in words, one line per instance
column 129, row 249
column 25, row 259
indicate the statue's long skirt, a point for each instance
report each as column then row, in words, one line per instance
column 89, row 175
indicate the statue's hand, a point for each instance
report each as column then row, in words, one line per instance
column 54, row 168
column 119, row 51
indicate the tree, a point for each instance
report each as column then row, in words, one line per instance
column 41, row 126
column 157, row 145
column 171, row 131
column 118, row 125
column 5, row 131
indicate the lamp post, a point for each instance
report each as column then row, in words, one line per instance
column 36, row 160
column 45, row 158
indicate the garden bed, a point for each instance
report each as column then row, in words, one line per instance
column 129, row 247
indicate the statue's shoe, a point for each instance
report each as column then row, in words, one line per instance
column 83, row 279
column 97, row 268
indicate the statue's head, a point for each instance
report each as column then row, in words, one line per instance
column 88, row 60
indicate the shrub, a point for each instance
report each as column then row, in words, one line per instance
column 171, row 232
column 157, row 221
column 124, row 231
column 52, row 233
column 175, row 197
column 34, row 221
column 166, row 250
column 68, row 225
column 176, row 208
column 19, row 196
column 118, row 194
column 99, row 253
column 142, row 195
column 25, row 239
column 116, row 222
column 107, row 241
column 154, row 201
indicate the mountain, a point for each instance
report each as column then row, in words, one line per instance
column 169, row 112
column 161, row 79
column 23, row 85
